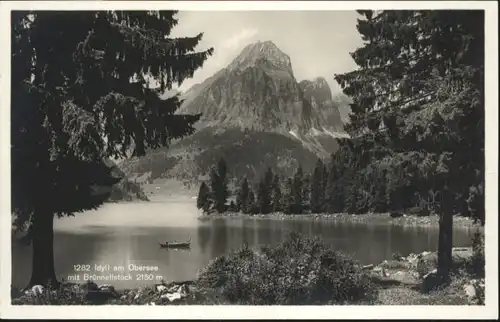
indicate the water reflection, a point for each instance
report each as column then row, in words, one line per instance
column 247, row 234
column 219, row 237
column 204, row 235
column 102, row 242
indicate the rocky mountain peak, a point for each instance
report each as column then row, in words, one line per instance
column 317, row 87
column 262, row 54
column 320, row 83
column 255, row 114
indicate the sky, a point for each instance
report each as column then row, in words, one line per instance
column 318, row 42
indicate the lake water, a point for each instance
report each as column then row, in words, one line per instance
column 129, row 233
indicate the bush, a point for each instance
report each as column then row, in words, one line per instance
column 422, row 266
column 397, row 256
column 477, row 261
column 418, row 211
column 61, row 295
column 396, row 214
column 298, row 271
column 413, row 210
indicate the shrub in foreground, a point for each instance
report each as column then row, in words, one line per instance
column 477, row 262
column 61, row 295
column 298, row 271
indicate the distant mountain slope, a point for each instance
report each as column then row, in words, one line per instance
column 247, row 153
column 125, row 190
column 254, row 114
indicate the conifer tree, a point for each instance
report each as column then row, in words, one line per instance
column 218, row 182
column 380, row 202
column 334, row 190
column 420, row 88
column 203, row 200
column 242, row 196
column 232, row 206
column 324, row 182
column 213, row 186
column 306, row 192
column 351, row 194
column 260, row 197
column 339, row 201
column 329, row 188
column 318, row 188
column 80, row 95
column 264, row 193
column 288, row 197
column 277, row 197
column 251, row 207
column 297, row 191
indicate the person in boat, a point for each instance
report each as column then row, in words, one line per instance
column 177, row 242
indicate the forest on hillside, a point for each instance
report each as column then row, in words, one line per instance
column 342, row 185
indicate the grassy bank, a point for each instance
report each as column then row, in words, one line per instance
column 411, row 280
column 299, row 271
column 369, row 218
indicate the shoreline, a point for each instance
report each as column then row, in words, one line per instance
column 396, row 281
column 369, row 218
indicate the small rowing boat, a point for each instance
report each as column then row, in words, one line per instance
column 176, row 244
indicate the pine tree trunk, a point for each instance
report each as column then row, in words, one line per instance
column 445, row 245
column 43, row 270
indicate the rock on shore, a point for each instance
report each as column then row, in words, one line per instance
column 369, row 218
column 415, row 271
column 91, row 293
column 419, row 271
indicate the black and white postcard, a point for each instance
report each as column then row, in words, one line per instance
column 249, row 159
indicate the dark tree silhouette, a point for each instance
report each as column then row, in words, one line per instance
column 218, row 182
column 203, row 200
column 242, row 196
column 277, row 202
column 264, row 193
column 80, row 96
column 419, row 92
column 297, row 192
column 318, row 188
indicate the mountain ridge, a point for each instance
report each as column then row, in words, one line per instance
column 250, row 104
